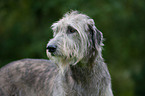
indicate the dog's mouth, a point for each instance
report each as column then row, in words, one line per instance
column 53, row 54
column 62, row 58
column 60, row 55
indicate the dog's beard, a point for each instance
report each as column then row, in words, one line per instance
column 62, row 58
column 63, row 61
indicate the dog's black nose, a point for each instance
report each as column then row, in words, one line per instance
column 51, row 48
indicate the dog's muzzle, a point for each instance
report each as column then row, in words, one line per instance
column 51, row 48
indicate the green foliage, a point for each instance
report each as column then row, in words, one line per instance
column 25, row 31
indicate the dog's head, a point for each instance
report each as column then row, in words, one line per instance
column 75, row 39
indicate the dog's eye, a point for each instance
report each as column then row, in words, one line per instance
column 71, row 30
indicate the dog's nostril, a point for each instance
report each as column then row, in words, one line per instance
column 51, row 48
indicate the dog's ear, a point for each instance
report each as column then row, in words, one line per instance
column 96, row 35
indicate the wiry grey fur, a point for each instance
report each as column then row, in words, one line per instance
column 76, row 67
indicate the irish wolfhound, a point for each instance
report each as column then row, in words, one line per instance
column 76, row 66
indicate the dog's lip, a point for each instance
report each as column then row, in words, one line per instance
column 53, row 54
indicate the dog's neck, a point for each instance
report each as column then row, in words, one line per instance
column 91, row 79
column 90, row 69
column 82, row 72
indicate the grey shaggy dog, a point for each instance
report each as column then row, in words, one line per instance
column 75, row 68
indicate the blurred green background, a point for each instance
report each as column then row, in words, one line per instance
column 25, row 31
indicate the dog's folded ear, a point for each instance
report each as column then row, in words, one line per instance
column 97, row 36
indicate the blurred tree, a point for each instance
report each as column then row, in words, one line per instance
column 139, row 82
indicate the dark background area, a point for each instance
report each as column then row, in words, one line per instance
column 25, row 31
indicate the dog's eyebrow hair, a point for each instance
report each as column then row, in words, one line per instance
column 69, row 27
